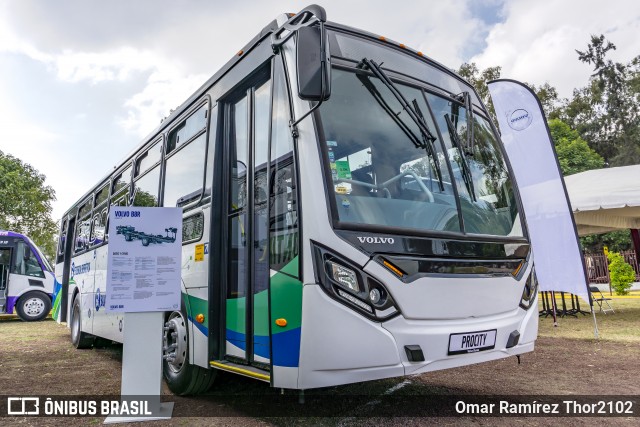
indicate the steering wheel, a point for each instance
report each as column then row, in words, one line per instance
column 414, row 176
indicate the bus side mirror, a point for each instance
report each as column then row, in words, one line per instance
column 314, row 80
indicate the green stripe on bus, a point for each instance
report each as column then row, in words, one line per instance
column 197, row 306
column 236, row 318
column 291, row 268
column 286, row 298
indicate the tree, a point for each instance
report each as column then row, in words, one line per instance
column 574, row 154
column 547, row 94
column 25, row 203
column 607, row 111
column 616, row 241
column 479, row 79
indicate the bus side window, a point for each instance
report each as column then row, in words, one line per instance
column 98, row 224
column 120, row 188
column 146, row 188
column 83, row 227
column 184, row 166
column 62, row 240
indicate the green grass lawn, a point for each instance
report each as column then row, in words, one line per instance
column 623, row 325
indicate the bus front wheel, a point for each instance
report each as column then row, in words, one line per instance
column 79, row 339
column 182, row 377
column 33, row 306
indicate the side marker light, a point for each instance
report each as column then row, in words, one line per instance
column 393, row 268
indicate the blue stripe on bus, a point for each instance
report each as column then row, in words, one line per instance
column 286, row 348
column 200, row 327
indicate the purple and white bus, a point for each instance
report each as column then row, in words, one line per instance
column 27, row 282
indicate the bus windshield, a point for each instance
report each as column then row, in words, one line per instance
column 380, row 176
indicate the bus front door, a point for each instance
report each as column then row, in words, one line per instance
column 5, row 263
column 247, row 337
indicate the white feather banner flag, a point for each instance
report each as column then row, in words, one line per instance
column 525, row 134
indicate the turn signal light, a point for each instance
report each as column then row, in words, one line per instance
column 200, row 318
column 281, row 322
column 393, row 268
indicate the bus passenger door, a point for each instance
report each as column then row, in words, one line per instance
column 247, row 337
column 5, row 264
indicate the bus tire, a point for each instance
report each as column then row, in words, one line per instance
column 33, row 306
column 79, row 339
column 182, row 377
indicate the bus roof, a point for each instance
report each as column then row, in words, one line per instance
column 7, row 233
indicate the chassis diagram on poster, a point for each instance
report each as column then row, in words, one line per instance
column 130, row 234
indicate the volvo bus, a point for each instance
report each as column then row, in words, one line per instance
column 349, row 214
column 27, row 282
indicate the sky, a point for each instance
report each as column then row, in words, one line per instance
column 82, row 82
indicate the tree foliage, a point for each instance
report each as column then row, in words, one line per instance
column 547, row 94
column 606, row 112
column 574, row 154
column 479, row 80
column 616, row 241
column 25, row 202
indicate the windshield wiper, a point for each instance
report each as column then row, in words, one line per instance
column 427, row 139
column 428, row 144
column 466, row 172
column 465, row 98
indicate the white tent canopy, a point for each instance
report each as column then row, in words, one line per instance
column 604, row 200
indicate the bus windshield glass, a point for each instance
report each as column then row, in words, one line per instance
column 382, row 175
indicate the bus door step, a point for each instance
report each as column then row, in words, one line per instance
column 247, row 371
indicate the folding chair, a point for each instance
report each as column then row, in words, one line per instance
column 600, row 299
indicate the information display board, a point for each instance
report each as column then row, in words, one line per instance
column 144, row 262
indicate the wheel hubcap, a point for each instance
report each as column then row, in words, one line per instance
column 175, row 342
column 33, row 307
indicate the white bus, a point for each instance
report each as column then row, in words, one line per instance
column 27, row 283
column 349, row 215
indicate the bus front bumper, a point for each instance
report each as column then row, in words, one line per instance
column 339, row 346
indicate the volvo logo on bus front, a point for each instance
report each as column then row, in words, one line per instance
column 383, row 240
column 520, row 119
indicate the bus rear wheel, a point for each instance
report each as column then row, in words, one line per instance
column 79, row 339
column 33, row 306
column 182, row 377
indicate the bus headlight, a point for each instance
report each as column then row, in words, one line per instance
column 530, row 290
column 347, row 283
column 344, row 276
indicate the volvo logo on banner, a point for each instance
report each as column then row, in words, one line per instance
column 520, row 119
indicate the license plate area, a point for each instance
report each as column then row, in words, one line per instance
column 472, row 342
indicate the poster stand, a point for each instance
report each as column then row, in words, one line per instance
column 142, row 367
column 143, row 281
